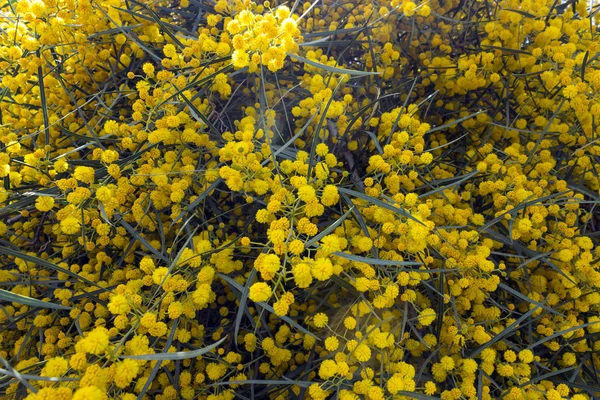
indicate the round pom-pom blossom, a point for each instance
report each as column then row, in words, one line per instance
column 44, row 203
column 427, row 316
column 260, row 291
column 70, row 225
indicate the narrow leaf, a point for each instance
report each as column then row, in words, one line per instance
column 329, row 229
column 158, row 20
column 507, row 50
column 376, row 261
column 523, row 13
column 47, row 264
column 11, row 297
column 267, row 307
column 379, row 203
column 415, row 395
column 328, row 68
column 584, row 64
column 454, row 122
column 548, row 375
column 560, row 333
column 112, row 31
column 529, row 300
column 243, row 302
column 197, row 201
column 509, row 329
column 158, row 363
column 457, row 183
column 179, row 355
column 39, row 378
column 140, row 239
column 44, row 104
column 262, row 382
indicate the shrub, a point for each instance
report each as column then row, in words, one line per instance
column 359, row 200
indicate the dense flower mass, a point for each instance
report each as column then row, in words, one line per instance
column 385, row 199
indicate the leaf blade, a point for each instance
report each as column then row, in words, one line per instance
column 336, row 70
column 179, row 355
column 11, row 297
column 15, row 253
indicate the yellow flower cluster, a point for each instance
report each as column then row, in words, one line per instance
column 263, row 39
column 360, row 200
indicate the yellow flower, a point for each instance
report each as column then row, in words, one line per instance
column 469, row 365
column 84, row 174
column 409, row 8
column 159, row 275
column 55, row 367
column 569, row 359
column 78, row 361
column 250, row 342
column 565, row 255
column 240, row 59
column 316, row 392
column 148, row 69
column 570, row 91
column 321, row 171
column 105, row 194
column 206, row 274
column 125, row 372
column 281, row 307
column 119, row 304
column 430, row 388
column 332, row 343
column 44, row 203
column 175, row 309
column 95, row 342
column 447, row 363
column 398, row 382
column 296, row 247
column 427, row 316
column 411, row 199
column 282, row 12
column 505, row 370
column 289, row 27
column 78, row 195
column 331, row 244
column 322, row 149
column 89, row 393
column 330, row 195
column 70, row 225
column 202, row 296
column 276, row 235
column 321, row 320
column 307, row 194
column 148, row 320
column 147, row 265
column 350, row 323
column 424, row 10
column 426, row 158
column 260, row 291
column 302, row 275
column 223, row 49
column 159, row 329
column 327, row 369
column 510, row 356
column 342, row 367
column 314, row 209
column 362, row 353
column 216, row 371
column 322, row 269
column 364, row 243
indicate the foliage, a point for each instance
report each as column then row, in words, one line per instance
column 353, row 200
